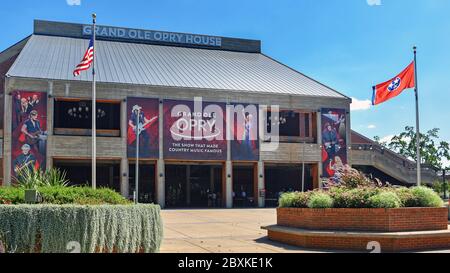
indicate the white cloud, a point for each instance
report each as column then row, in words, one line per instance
column 359, row 105
column 73, row 2
column 386, row 139
column 445, row 162
column 374, row 2
column 371, row 126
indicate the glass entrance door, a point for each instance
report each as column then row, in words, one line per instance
column 196, row 185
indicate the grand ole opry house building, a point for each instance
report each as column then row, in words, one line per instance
column 142, row 76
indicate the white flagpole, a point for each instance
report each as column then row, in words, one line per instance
column 416, row 89
column 94, row 111
column 138, row 134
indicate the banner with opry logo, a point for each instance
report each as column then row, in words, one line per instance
column 194, row 130
column 334, row 142
column 143, row 113
column 29, row 131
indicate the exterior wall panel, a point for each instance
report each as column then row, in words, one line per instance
column 292, row 153
column 80, row 147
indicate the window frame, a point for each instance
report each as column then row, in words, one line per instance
column 302, row 138
column 62, row 131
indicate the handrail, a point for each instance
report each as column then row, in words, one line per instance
column 387, row 153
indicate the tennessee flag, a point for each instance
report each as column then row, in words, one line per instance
column 393, row 87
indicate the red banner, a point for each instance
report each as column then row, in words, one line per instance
column 334, row 141
column 143, row 113
column 29, row 131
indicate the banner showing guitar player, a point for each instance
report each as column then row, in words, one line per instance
column 244, row 128
column 29, row 131
column 143, row 113
column 334, row 142
column 194, row 130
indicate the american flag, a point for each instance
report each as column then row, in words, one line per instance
column 88, row 58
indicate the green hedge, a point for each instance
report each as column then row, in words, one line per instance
column 65, row 195
column 320, row 200
column 363, row 197
column 100, row 228
column 385, row 200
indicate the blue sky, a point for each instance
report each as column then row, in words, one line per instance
column 349, row 45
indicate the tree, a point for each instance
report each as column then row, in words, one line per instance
column 433, row 151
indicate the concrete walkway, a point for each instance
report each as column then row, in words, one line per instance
column 220, row 231
column 224, row 231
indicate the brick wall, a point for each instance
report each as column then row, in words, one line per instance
column 359, row 243
column 388, row 220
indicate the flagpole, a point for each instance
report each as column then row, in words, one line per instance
column 138, row 134
column 416, row 91
column 94, row 110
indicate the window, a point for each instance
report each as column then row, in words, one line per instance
column 294, row 125
column 79, row 172
column 74, row 117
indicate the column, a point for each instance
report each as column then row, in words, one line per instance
column 160, row 183
column 319, row 141
column 7, row 135
column 124, row 171
column 228, row 184
column 228, row 187
column 124, row 178
column 261, row 184
column 160, row 165
column 50, row 106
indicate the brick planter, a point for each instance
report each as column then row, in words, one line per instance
column 380, row 220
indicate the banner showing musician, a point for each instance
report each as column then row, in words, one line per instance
column 25, row 160
column 143, row 115
column 244, row 127
column 29, row 131
column 334, row 142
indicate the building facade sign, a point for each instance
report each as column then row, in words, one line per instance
column 143, row 113
column 154, row 36
column 194, row 130
column 334, row 141
column 29, row 132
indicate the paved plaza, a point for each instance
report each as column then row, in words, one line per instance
column 220, row 231
column 223, row 231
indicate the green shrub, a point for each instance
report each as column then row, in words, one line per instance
column 12, row 195
column 353, row 198
column 81, row 195
column 320, row 200
column 294, row 200
column 49, row 228
column 387, row 199
column 286, row 200
column 301, row 199
column 29, row 178
column 407, row 198
column 65, row 195
column 352, row 178
column 55, row 177
column 426, row 197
